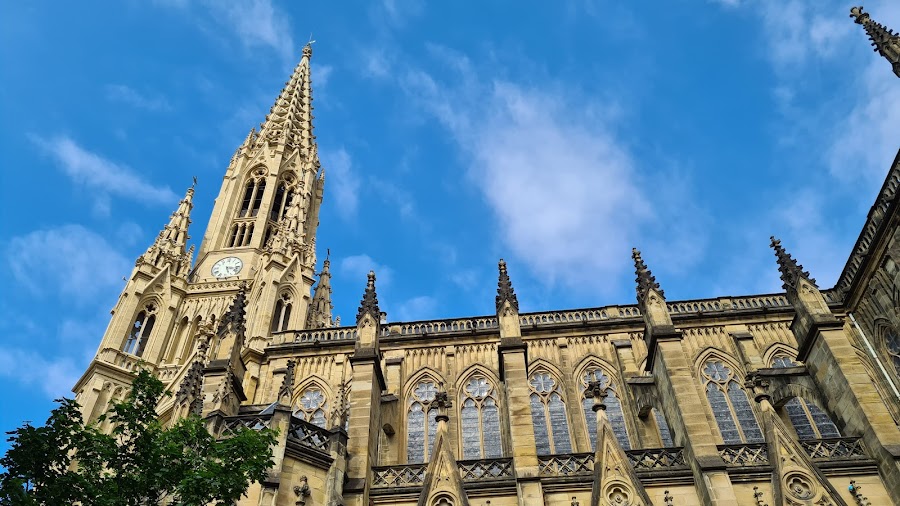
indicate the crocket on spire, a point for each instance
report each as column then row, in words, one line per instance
column 884, row 40
column 169, row 247
column 369, row 303
column 645, row 279
column 505, row 291
column 320, row 307
column 790, row 270
column 290, row 121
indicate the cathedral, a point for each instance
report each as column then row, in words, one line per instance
column 762, row 399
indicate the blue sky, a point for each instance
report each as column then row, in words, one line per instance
column 555, row 137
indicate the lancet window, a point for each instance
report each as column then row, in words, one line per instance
column 137, row 337
column 420, row 422
column 480, row 419
column 282, row 314
column 614, row 412
column 284, row 193
column 809, row 421
column 548, row 414
column 311, row 406
column 892, row 340
column 730, row 406
column 241, row 233
column 253, row 195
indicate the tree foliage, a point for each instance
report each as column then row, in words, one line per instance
column 139, row 463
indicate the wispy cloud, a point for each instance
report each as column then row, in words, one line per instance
column 130, row 96
column 71, row 260
column 342, row 181
column 357, row 267
column 103, row 176
column 416, row 308
column 54, row 376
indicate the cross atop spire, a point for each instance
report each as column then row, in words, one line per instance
column 505, row 292
column 369, row 303
column 791, row 271
column 645, row 279
column 884, row 40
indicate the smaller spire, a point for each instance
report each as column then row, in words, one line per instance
column 505, row 292
column 369, row 303
column 237, row 313
column 791, row 271
column 645, row 279
column 884, row 40
column 321, row 306
column 287, row 383
column 169, row 246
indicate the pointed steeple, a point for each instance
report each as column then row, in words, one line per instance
column 615, row 481
column 791, row 271
column 169, row 247
column 289, row 122
column 884, row 40
column 645, row 279
column 505, row 292
column 320, row 307
column 369, row 303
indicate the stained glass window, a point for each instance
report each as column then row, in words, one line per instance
column 480, row 420
column 613, row 408
column 420, row 422
column 137, row 337
column 892, row 339
column 311, row 406
column 782, row 361
column 665, row 435
column 730, row 406
column 548, row 415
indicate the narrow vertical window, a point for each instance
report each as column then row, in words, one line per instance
column 282, row 314
column 311, row 406
column 613, row 408
column 548, row 415
column 480, row 420
column 730, row 406
column 665, row 435
column 892, row 340
column 137, row 337
column 257, row 199
column 278, row 203
column 420, row 422
column 234, row 233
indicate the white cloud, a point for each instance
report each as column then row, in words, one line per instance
column 130, row 96
column 416, row 308
column 321, row 74
column 75, row 262
column 342, row 182
column 55, row 377
column 102, row 175
column 563, row 189
column 356, row 267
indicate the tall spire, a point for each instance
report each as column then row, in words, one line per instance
column 290, row 120
column 791, row 271
column 645, row 279
column 369, row 303
column 169, row 247
column 320, row 308
column 505, row 292
column 884, row 40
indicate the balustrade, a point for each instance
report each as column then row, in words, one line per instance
column 842, row 448
column 308, row 434
column 411, row 475
column 481, row 470
column 741, row 455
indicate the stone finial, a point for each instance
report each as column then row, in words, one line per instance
column 505, row 292
column 307, row 50
column 598, row 391
column 884, row 40
column 369, row 303
column 287, row 383
column 237, row 313
column 645, row 279
column 791, row 271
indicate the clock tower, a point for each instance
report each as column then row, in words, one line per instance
column 259, row 247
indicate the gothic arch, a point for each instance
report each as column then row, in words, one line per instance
column 776, row 350
column 423, row 372
column 728, row 401
column 550, row 415
column 615, row 404
column 595, row 361
column 787, row 391
column 480, row 407
column 542, row 363
column 311, row 380
column 711, row 352
column 473, row 369
column 314, row 408
column 419, row 429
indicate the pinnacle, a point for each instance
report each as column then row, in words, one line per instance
column 884, row 40
column 645, row 279
column 505, row 291
column 369, row 303
column 790, row 270
column 237, row 313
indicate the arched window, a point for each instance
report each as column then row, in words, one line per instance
column 548, row 414
column 253, row 195
column 311, row 406
column 892, row 340
column 137, row 337
column 614, row 412
column 730, row 405
column 283, row 196
column 480, row 420
column 420, row 422
column 282, row 314
column 809, row 421
column 665, row 435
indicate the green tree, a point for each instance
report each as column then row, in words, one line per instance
column 139, row 463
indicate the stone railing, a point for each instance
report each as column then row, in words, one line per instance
column 440, row 326
column 322, row 335
column 843, row 448
column 410, row 475
column 252, row 422
column 742, row 455
column 567, row 464
column 576, row 316
column 308, row 434
column 167, row 373
column 485, row 470
column 121, row 359
column 649, row 459
column 759, row 302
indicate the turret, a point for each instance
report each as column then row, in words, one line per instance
column 320, row 308
column 169, row 246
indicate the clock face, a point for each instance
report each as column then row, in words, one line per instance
column 227, row 267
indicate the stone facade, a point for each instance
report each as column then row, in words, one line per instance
column 785, row 398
